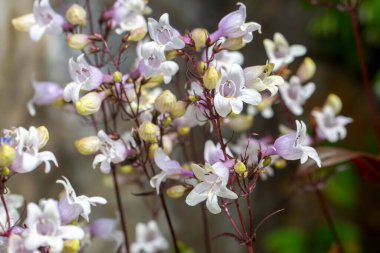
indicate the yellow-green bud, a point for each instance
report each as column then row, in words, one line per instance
column 211, row 78
column 154, row 81
column 7, row 155
column 89, row 103
column 240, row 123
column 233, row 44
column 118, row 77
column 202, row 67
column 334, row 102
column 175, row 191
column 194, row 98
column 78, row 41
column 165, row 102
column 199, row 36
column 88, row 145
column 71, row 246
column 240, row 168
column 137, row 34
column 179, row 109
column 126, row 169
column 43, row 136
column 307, row 70
column 167, row 121
column 280, row 164
column 170, row 55
column 5, row 171
column 148, row 131
column 24, row 23
column 76, row 15
column 152, row 150
column 184, row 130
column 267, row 161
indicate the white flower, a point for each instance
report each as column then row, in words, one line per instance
column 132, row 22
column 46, row 20
column 329, row 125
column 16, row 244
column 280, row 53
column 71, row 205
column 231, row 92
column 164, row 34
column 169, row 168
column 149, row 239
column 105, row 229
column 213, row 184
column 214, row 153
column 224, row 59
column 84, row 76
column 259, row 78
column 233, row 26
column 13, row 202
column 112, row 152
column 28, row 156
column 292, row 146
column 44, row 227
column 295, row 95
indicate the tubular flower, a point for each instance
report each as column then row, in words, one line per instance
column 260, row 78
column 149, row 239
column 231, row 92
column 213, row 184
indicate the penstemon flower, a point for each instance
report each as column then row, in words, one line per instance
column 149, row 239
column 213, row 184
column 260, row 78
column 231, row 92
column 292, row 146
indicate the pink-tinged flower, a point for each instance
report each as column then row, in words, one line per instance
column 260, row 79
column 233, row 26
column 164, row 34
column 113, row 151
column 84, row 76
column 329, row 125
column 213, row 184
column 13, row 202
column 47, row 20
column 44, row 227
column 16, row 244
column 295, row 95
column 149, row 239
column 105, row 229
column 169, row 168
column 280, row 53
column 28, row 157
column 71, row 205
column 231, row 92
column 214, row 153
column 45, row 93
column 292, row 146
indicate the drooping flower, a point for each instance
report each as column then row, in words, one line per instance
column 330, row 126
column 231, row 92
column 164, row 34
column 213, row 184
column 292, row 146
column 233, row 25
column 295, row 95
column 45, row 93
column 112, row 151
column 149, row 239
column 280, row 53
column 44, row 227
column 84, row 76
column 46, row 20
column 260, row 78
column 71, row 205
column 169, row 168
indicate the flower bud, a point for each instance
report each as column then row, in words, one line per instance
column 334, row 102
column 126, row 169
column 175, row 191
column 148, row 131
column 7, row 155
column 199, row 36
column 307, row 70
column 267, row 161
column 194, row 98
column 118, row 77
column 240, row 123
column 88, row 145
column 137, row 34
column 43, row 136
column 280, row 164
column 165, row 102
column 167, row 144
column 154, row 81
column 76, row 15
column 5, row 171
column 234, row 44
column 202, row 67
column 179, row 109
column 71, row 246
column 184, row 130
column 78, row 41
column 89, row 103
column 152, row 150
column 23, row 23
column 211, row 78
column 240, row 168
column 167, row 121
